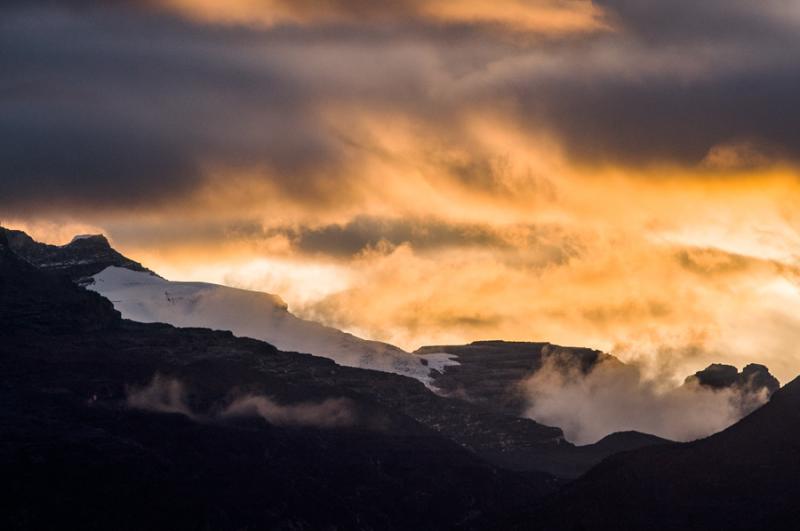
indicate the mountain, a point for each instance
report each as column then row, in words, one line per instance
column 83, row 257
column 494, row 433
column 490, row 372
column 141, row 295
column 491, row 433
column 481, row 379
column 71, row 311
column 112, row 424
column 743, row 478
column 753, row 378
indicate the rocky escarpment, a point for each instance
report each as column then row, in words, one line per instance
column 753, row 378
column 750, row 388
column 489, row 372
column 83, row 257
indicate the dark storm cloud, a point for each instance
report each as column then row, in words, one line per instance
column 711, row 20
column 676, row 79
column 366, row 232
column 663, row 120
column 540, row 245
column 123, row 110
column 123, row 103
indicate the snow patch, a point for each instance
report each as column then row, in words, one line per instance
column 147, row 298
column 437, row 361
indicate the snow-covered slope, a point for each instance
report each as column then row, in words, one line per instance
column 142, row 296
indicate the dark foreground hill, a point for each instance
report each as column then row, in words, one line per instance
column 743, row 478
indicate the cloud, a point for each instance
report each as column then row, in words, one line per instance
column 167, row 395
column 137, row 109
column 330, row 413
column 715, row 20
column 544, row 16
column 365, row 233
column 162, row 395
column 614, row 397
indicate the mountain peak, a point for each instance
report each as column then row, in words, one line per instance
column 84, row 256
column 753, row 377
column 93, row 239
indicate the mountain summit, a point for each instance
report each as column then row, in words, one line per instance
column 82, row 257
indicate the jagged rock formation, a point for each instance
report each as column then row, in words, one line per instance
column 753, row 378
column 751, row 387
column 83, row 257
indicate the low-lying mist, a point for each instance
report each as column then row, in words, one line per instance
column 167, row 395
column 615, row 397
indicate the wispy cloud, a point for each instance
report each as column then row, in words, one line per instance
column 168, row 395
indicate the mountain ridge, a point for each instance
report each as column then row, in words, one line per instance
column 145, row 297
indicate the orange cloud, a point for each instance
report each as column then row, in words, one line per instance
column 544, row 16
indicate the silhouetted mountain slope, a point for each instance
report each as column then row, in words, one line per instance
column 78, row 452
column 61, row 306
column 743, row 478
column 567, row 460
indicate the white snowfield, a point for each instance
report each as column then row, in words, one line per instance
column 147, row 298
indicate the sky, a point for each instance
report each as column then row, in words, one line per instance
column 618, row 174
